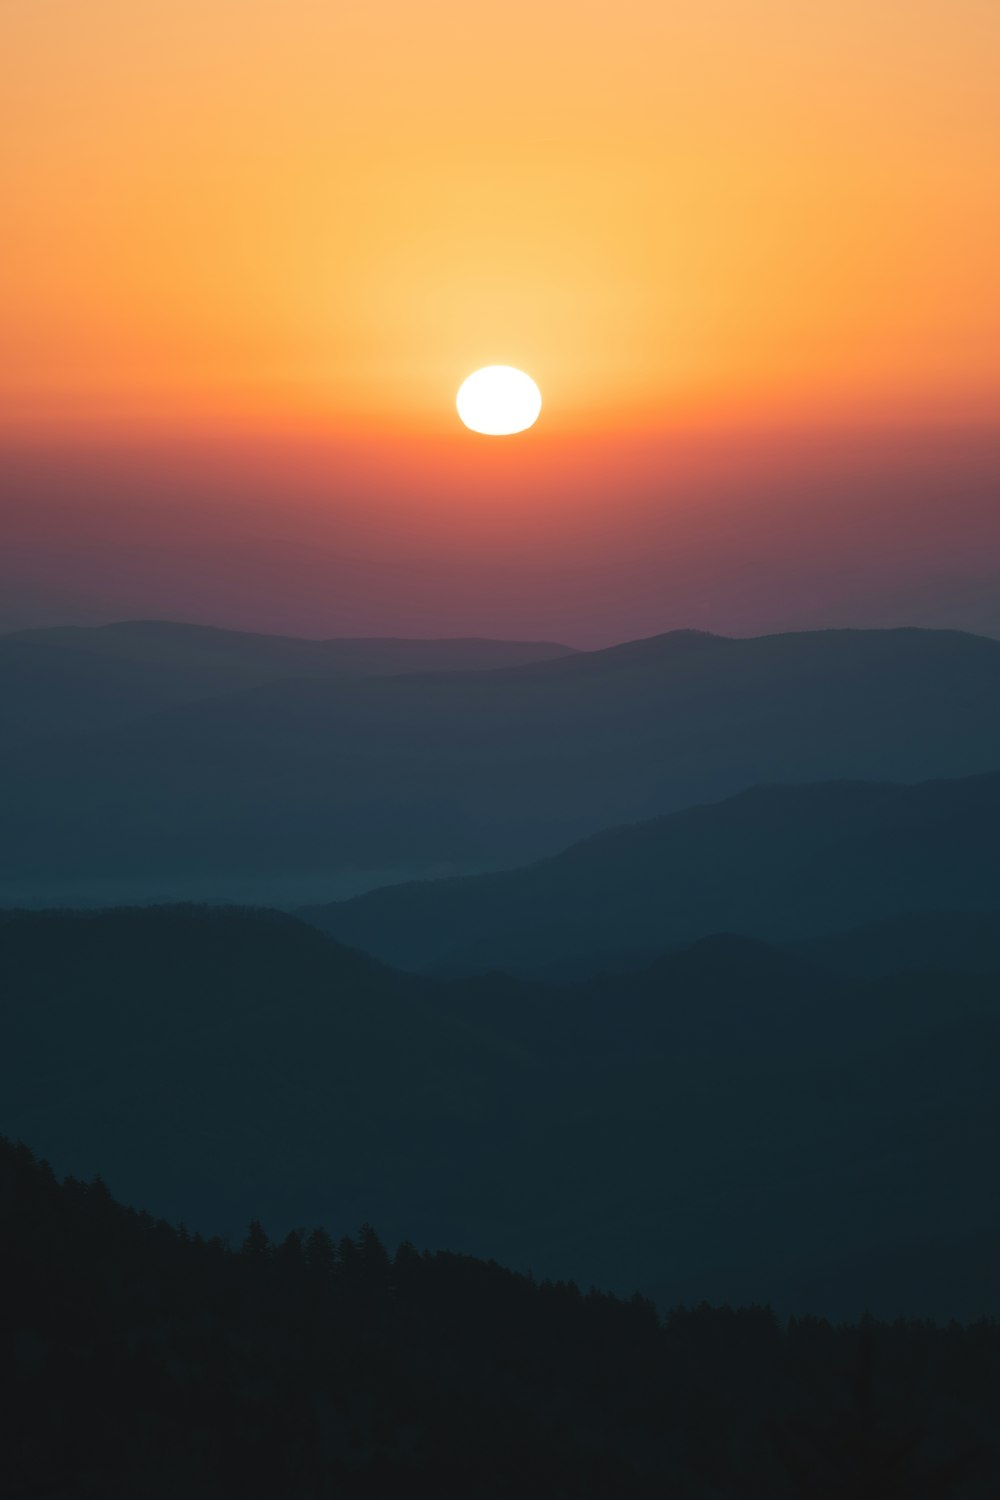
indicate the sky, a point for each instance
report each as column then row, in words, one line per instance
column 252, row 247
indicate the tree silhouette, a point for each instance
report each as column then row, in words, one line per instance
column 136, row 1360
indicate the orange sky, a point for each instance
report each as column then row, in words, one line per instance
column 322, row 214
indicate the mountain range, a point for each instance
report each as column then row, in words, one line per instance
column 774, row 862
column 72, row 679
column 731, row 1123
column 378, row 777
column 718, row 1021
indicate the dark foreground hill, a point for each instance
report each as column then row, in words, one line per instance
column 964, row 941
column 730, row 1123
column 775, row 862
column 137, row 1360
column 476, row 769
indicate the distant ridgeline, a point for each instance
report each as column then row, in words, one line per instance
column 814, row 1126
column 193, row 758
column 140, row 1360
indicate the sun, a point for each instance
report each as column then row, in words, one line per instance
column 498, row 401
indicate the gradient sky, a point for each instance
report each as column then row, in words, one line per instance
column 252, row 247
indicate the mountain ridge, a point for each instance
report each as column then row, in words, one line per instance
column 712, row 867
column 218, row 1064
column 71, row 680
column 479, row 769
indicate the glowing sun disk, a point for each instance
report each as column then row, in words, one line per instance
column 498, row 401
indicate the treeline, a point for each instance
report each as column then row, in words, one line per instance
column 141, row 1360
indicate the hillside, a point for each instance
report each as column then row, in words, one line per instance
column 71, row 680
column 160, row 644
column 778, row 863
column 141, row 1360
column 471, row 770
column 730, row 1124
column 964, row 941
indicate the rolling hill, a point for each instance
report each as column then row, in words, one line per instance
column 172, row 644
column 966, row 942
column 731, row 1123
column 473, row 770
column 778, row 863
column 70, row 680
column 139, row 1359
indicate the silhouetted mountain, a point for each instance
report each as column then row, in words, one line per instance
column 477, row 769
column 48, row 691
column 248, row 1040
column 774, row 862
column 168, row 643
column 966, row 942
column 139, row 1360
column 730, row 1123
column 75, row 679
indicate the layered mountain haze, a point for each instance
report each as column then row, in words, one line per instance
column 777, row 863
column 165, row 643
column 72, row 679
column 739, row 1049
column 328, row 776
column 732, row 1123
